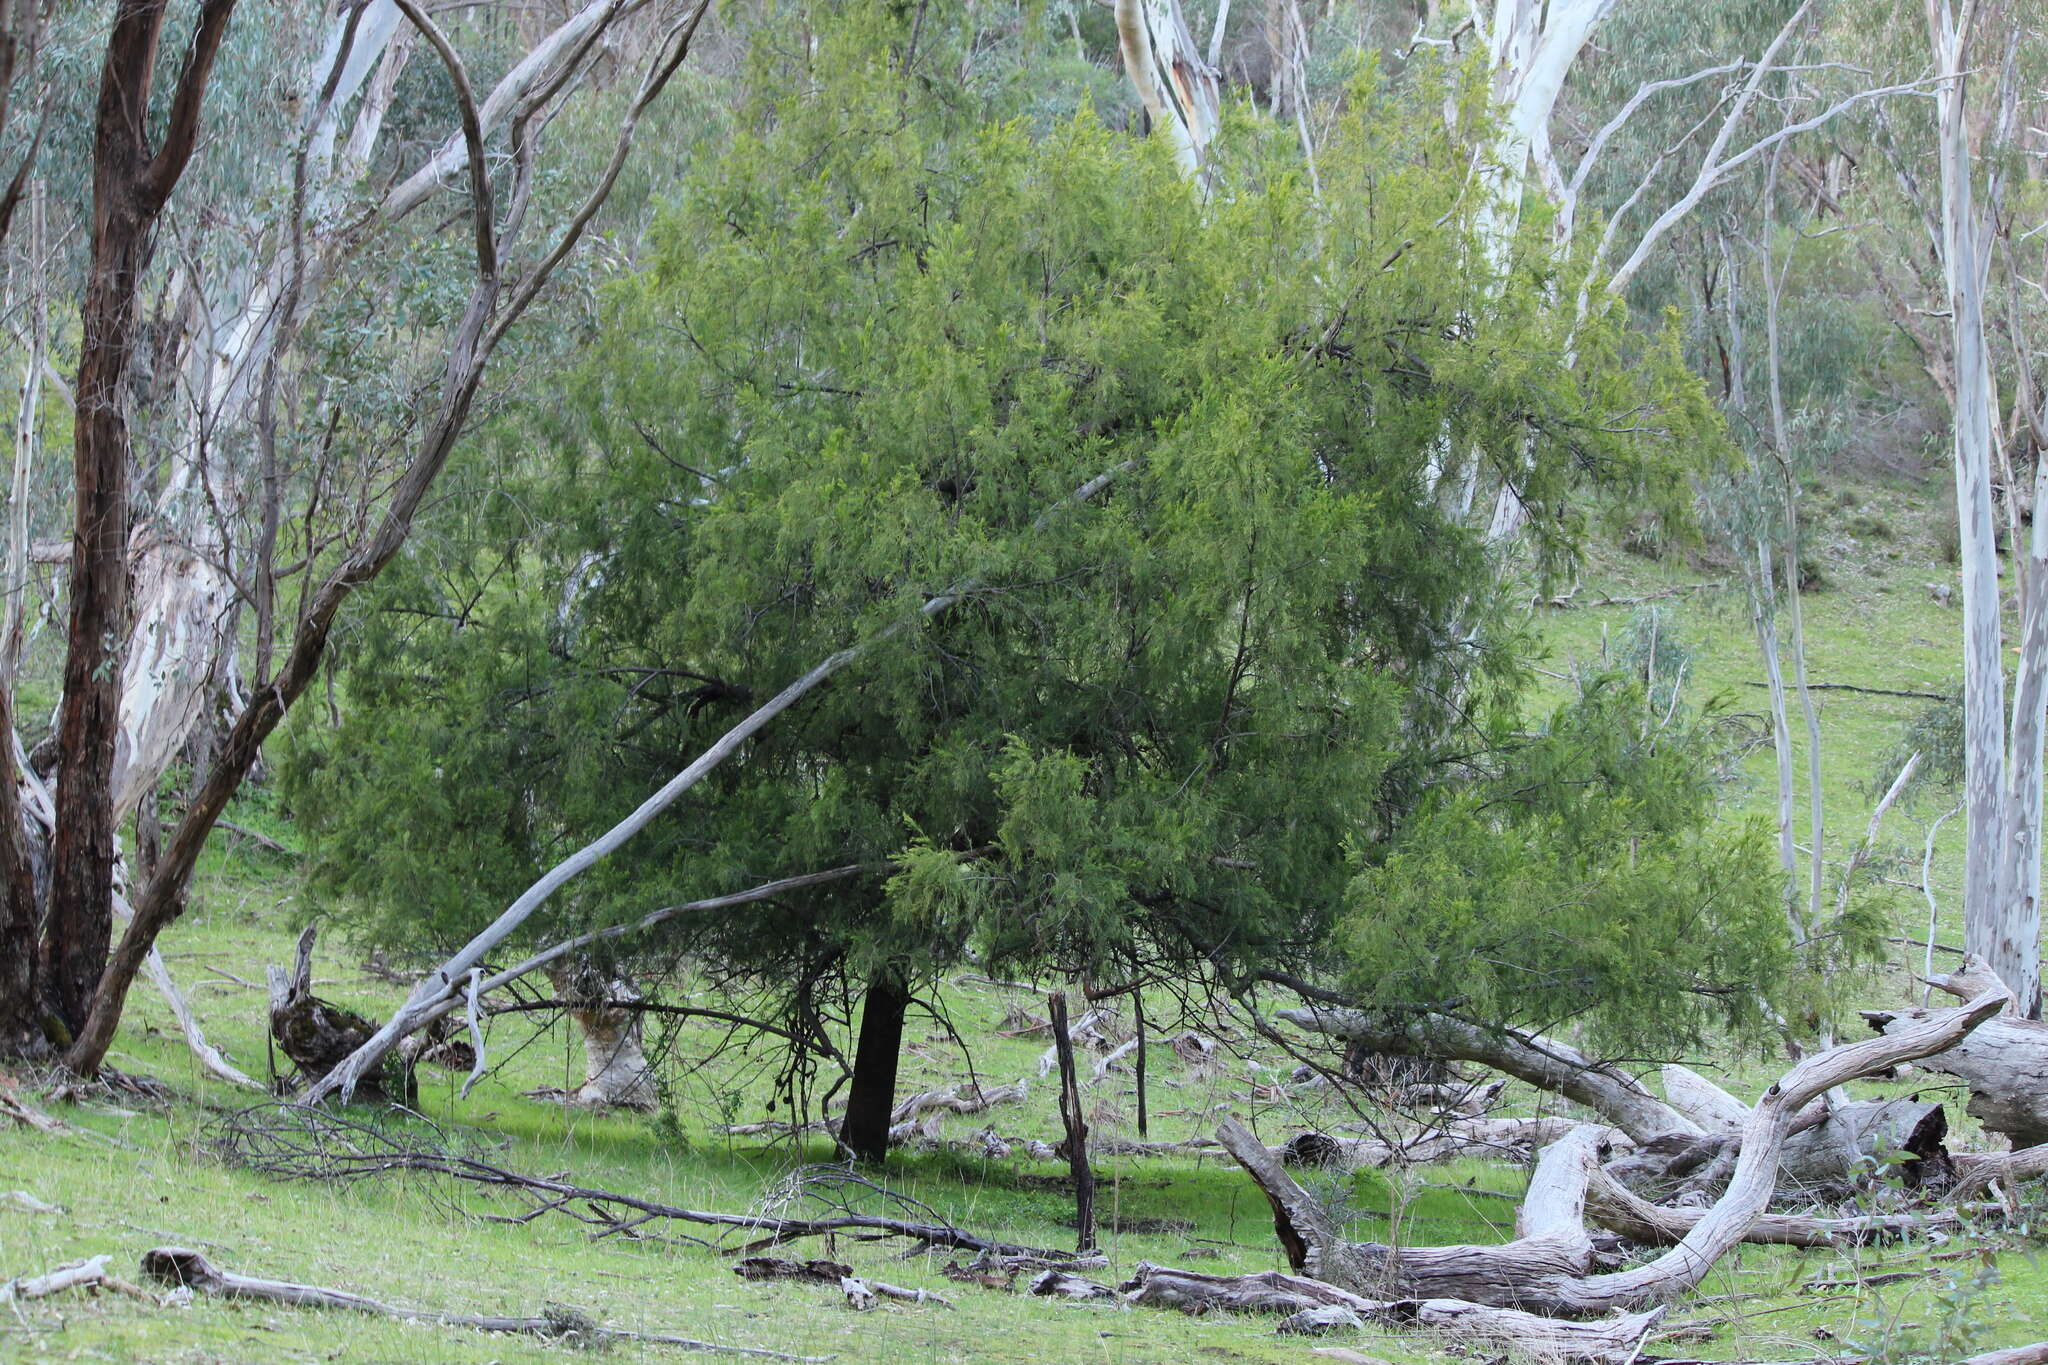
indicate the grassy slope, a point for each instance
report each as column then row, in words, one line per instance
column 151, row 1180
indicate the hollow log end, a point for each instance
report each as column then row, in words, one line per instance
column 180, row 1266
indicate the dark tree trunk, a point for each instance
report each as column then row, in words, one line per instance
column 1077, row 1126
column 1138, row 1062
column 865, row 1129
column 21, row 1012
column 131, row 185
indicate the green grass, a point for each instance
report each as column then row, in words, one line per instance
column 149, row 1176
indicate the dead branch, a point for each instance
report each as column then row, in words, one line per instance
column 72, row 1275
column 299, row 1142
column 179, row 1266
column 1549, row 1266
column 13, row 1106
column 1546, row 1063
column 1615, row 1340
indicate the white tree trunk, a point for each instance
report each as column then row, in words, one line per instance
column 1181, row 91
column 2001, row 918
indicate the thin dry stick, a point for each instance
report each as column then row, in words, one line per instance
column 180, row 1266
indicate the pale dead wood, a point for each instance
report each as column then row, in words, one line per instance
column 13, row 1106
column 1755, row 1178
column 1549, row 1266
column 965, row 1099
column 2004, row 1063
column 1702, row 1101
column 1620, row 1210
column 1619, row 1099
column 182, row 1267
column 1615, row 1340
column 2036, row 1354
column 83, row 1274
column 21, row 1201
column 1976, row 1170
column 1552, row 1244
column 1064, row 1284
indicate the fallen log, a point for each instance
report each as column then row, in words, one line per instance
column 1617, row 1339
column 1553, row 1245
column 861, row 1293
column 1548, row 1266
column 1620, row 1210
column 1976, row 1170
column 181, row 1267
column 2036, row 1354
column 1617, row 1097
column 1827, row 1148
column 2004, row 1062
column 1064, row 1284
column 13, row 1106
column 968, row 1099
column 84, row 1274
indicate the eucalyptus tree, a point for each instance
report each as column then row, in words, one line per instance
column 2002, row 755
column 79, row 997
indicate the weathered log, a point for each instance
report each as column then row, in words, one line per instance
column 13, row 1106
column 2005, row 1064
column 179, row 1266
column 1616, row 1339
column 862, row 1292
column 1548, row 1266
column 2036, row 1354
column 1064, row 1284
column 1546, row 1063
column 84, row 1274
column 1552, row 1245
column 1620, row 1210
column 1729, row 1221
column 1976, row 1170
column 1826, row 1149
column 1702, row 1101
column 958, row 1099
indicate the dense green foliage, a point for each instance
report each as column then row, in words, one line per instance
column 1174, row 722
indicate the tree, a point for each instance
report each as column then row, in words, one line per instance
column 2002, row 766
column 82, row 990
column 1086, row 517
